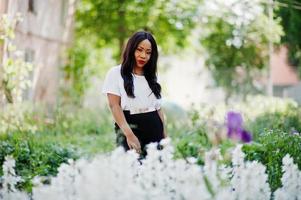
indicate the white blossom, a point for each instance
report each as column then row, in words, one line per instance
column 291, row 181
column 120, row 175
column 9, row 181
column 249, row 180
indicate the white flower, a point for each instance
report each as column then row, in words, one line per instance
column 120, row 176
column 249, row 180
column 9, row 181
column 291, row 181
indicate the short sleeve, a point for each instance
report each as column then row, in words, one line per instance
column 110, row 84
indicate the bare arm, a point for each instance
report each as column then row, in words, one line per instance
column 160, row 112
column 114, row 103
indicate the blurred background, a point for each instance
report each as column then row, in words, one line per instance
column 214, row 56
column 210, row 51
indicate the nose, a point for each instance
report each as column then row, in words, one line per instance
column 142, row 54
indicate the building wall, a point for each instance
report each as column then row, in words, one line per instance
column 43, row 36
column 283, row 74
column 3, row 6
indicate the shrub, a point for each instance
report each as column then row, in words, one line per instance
column 272, row 146
column 33, row 156
column 287, row 121
column 193, row 144
column 16, row 118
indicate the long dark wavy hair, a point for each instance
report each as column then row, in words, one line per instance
column 150, row 68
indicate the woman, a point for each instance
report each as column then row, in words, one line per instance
column 134, row 95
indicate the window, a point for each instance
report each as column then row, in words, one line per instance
column 31, row 7
column 29, row 57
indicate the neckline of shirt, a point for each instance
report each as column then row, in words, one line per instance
column 140, row 76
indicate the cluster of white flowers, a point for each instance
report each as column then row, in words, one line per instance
column 121, row 175
column 249, row 180
column 239, row 13
column 242, row 9
column 9, row 181
column 291, row 181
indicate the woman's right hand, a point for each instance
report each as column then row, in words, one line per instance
column 133, row 141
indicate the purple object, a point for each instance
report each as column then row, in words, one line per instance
column 235, row 129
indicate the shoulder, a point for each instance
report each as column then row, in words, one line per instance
column 112, row 80
column 114, row 71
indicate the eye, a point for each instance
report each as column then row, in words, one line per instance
column 149, row 53
column 139, row 50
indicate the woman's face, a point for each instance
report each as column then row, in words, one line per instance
column 143, row 53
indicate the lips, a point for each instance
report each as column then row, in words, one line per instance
column 141, row 62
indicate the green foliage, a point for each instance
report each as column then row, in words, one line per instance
column 33, row 156
column 193, row 144
column 237, row 46
column 76, row 74
column 86, row 130
column 200, row 136
column 270, row 120
column 16, row 118
column 114, row 21
column 272, row 146
column 84, row 61
column 40, row 142
column 291, row 23
column 197, row 143
column 92, row 129
column 194, row 141
column 288, row 121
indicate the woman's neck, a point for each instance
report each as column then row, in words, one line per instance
column 138, row 71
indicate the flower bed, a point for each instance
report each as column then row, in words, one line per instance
column 120, row 175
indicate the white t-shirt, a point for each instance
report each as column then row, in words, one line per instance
column 144, row 101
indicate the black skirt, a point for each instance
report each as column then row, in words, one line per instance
column 147, row 127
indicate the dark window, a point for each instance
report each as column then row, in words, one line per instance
column 31, row 7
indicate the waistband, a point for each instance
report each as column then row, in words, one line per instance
column 140, row 110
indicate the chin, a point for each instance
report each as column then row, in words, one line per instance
column 140, row 66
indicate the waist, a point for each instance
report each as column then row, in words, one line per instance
column 140, row 110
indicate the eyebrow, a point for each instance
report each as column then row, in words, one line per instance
column 143, row 48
